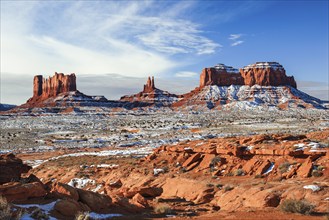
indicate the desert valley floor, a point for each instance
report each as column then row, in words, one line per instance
column 166, row 164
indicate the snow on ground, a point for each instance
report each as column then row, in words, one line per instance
column 157, row 171
column 81, row 182
column 269, row 169
column 103, row 216
column 44, row 207
column 314, row 188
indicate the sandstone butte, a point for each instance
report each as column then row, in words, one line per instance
column 260, row 73
column 51, row 87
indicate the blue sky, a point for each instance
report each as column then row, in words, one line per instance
column 172, row 40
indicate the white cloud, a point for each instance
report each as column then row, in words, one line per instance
column 234, row 36
column 130, row 38
column 236, row 43
column 186, row 74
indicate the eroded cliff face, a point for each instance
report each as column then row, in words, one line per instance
column 260, row 73
column 51, row 87
column 266, row 74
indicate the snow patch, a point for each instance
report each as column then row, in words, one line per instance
column 314, row 188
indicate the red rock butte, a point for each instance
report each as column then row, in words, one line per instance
column 260, row 73
column 51, row 87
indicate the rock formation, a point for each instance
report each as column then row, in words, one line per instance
column 266, row 74
column 220, row 75
column 150, row 95
column 149, row 86
column 51, row 87
column 11, row 168
column 260, row 73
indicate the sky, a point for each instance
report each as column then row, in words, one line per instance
column 113, row 46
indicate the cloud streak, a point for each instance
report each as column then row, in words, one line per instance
column 235, row 38
column 130, row 38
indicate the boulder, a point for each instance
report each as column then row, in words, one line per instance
column 16, row 191
column 11, row 168
column 305, row 169
column 61, row 190
column 139, row 201
column 96, row 202
column 262, row 168
column 192, row 159
column 69, row 207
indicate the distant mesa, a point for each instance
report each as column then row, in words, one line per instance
column 262, row 84
column 51, row 87
column 260, row 73
column 152, row 95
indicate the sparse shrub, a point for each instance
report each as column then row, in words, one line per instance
column 258, row 176
column 219, row 186
column 239, row 172
column 215, row 161
column 297, row 206
column 320, row 168
column 4, row 209
column 39, row 214
column 210, row 185
column 82, row 216
column 163, row 209
column 317, row 173
column 284, row 167
column 230, row 174
column 165, row 169
column 228, row 188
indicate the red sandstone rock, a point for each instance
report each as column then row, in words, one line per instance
column 266, row 75
column 70, row 207
column 139, row 201
column 212, row 76
column 305, row 169
column 61, row 190
column 15, row 191
column 265, row 165
column 11, row 168
column 192, row 159
column 260, row 73
column 96, row 202
column 51, row 87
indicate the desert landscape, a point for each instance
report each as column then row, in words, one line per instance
column 251, row 147
column 155, row 109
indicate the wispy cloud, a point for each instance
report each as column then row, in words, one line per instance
column 186, row 74
column 130, row 38
column 236, row 43
column 235, row 38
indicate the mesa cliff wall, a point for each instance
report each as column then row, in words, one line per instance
column 45, row 88
column 260, row 73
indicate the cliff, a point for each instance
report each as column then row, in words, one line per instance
column 260, row 73
column 51, row 87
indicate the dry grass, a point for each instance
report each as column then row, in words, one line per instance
column 82, row 216
column 297, row 206
column 163, row 209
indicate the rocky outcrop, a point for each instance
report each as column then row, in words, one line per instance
column 149, row 86
column 266, row 74
column 150, row 96
column 51, row 87
column 11, row 168
column 221, row 75
column 260, row 73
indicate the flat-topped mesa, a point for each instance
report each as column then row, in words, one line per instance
column 260, row 73
column 267, row 74
column 149, row 86
column 51, row 87
column 221, row 75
